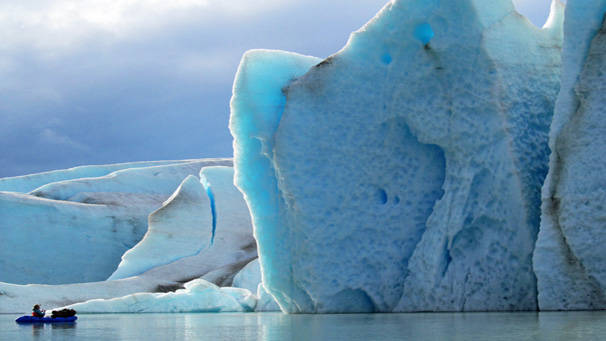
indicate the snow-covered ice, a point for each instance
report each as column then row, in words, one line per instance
column 372, row 176
column 197, row 296
column 88, row 223
column 28, row 183
column 161, row 180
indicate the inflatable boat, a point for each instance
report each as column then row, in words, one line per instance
column 34, row 319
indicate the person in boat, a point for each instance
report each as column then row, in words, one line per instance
column 37, row 312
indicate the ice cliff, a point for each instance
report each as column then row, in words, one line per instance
column 404, row 172
column 569, row 259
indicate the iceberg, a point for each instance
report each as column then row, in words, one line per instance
column 568, row 260
column 448, row 158
column 404, row 172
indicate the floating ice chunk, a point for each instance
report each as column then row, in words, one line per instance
column 198, row 296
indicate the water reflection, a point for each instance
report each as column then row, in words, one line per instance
column 278, row 326
column 41, row 329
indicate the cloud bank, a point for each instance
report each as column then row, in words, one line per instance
column 130, row 80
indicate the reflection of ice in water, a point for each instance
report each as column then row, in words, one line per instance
column 38, row 330
column 278, row 326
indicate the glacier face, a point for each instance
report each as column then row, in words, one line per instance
column 186, row 240
column 569, row 261
column 401, row 174
column 404, row 172
column 87, row 222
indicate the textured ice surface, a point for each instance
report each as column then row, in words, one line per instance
column 92, row 230
column 181, row 228
column 53, row 242
column 102, row 218
column 69, row 239
column 404, row 172
column 569, row 258
column 197, row 296
column 266, row 301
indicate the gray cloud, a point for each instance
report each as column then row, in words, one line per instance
column 135, row 80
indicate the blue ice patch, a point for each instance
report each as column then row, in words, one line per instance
column 424, row 33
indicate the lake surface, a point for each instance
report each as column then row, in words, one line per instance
column 584, row 325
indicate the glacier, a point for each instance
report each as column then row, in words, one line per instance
column 187, row 239
column 89, row 222
column 448, row 158
column 404, row 172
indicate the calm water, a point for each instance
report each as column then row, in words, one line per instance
column 277, row 326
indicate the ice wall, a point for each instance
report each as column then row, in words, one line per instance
column 569, row 258
column 402, row 173
column 56, row 242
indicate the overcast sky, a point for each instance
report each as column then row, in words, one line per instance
column 109, row 81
